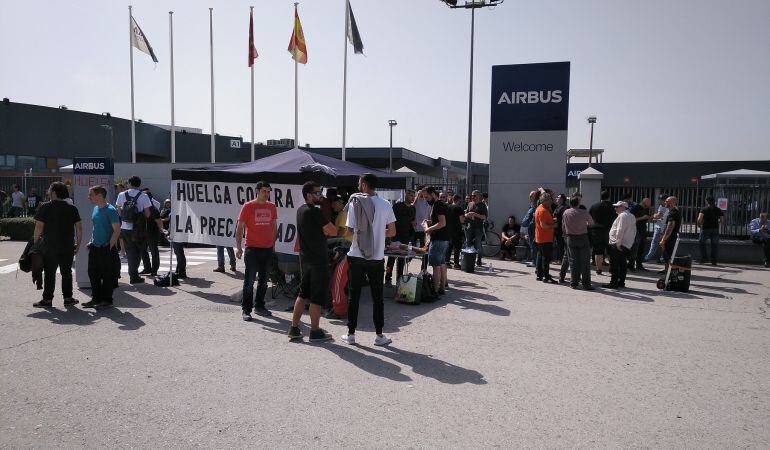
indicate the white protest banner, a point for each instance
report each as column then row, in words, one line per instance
column 207, row 212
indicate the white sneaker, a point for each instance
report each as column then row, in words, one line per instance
column 382, row 340
column 348, row 338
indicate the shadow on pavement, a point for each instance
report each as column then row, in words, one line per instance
column 428, row 366
column 77, row 316
column 213, row 297
column 196, row 282
column 626, row 294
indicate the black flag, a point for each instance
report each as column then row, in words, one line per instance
column 353, row 36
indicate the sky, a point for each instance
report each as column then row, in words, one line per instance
column 667, row 80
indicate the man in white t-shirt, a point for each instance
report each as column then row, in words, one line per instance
column 134, row 240
column 17, row 202
column 371, row 219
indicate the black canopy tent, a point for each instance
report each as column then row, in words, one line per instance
column 291, row 167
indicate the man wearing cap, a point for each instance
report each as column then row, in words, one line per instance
column 622, row 235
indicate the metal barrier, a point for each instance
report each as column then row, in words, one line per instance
column 39, row 183
column 744, row 203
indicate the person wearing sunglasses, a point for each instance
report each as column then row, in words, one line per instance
column 312, row 230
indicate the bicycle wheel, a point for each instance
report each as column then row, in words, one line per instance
column 491, row 245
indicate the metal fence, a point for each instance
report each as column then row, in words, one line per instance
column 27, row 183
column 744, row 203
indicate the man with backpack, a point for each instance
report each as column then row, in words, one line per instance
column 134, row 208
column 154, row 230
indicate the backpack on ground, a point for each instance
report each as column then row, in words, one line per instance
column 429, row 293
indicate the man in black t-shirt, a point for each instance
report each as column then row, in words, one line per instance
column 404, row 212
column 58, row 224
column 312, row 230
column 603, row 215
column 439, row 238
column 509, row 238
column 476, row 215
column 709, row 220
column 641, row 212
column 454, row 223
column 33, row 201
column 673, row 223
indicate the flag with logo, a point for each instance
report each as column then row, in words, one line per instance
column 353, row 35
column 252, row 49
column 297, row 43
column 139, row 40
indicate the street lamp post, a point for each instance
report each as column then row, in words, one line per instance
column 472, row 5
column 592, row 121
column 392, row 123
column 112, row 140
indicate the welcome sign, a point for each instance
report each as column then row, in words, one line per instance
column 207, row 212
column 528, row 140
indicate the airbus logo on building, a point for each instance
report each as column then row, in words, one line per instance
column 529, row 97
column 89, row 166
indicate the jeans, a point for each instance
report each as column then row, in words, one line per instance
column 579, row 253
column 151, row 250
column 544, row 261
column 134, row 251
column 181, row 260
column 654, row 244
column 360, row 270
column 475, row 235
column 103, row 269
column 258, row 261
column 221, row 256
column 62, row 259
column 618, row 264
column 534, row 249
column 713, row 236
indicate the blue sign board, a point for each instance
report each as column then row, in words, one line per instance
column 530, row 97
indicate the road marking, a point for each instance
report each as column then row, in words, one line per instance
column 9, row 268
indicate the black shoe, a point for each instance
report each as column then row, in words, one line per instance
column 539, row 278
column 154, row 273
column 561, row 279
column 294, row 333
column 320, row 335
column 610, row 286
column 103, row 304
column 478, row 263
column 145, row 272
column 621, row 285
column 441, row 291
column 262, row 311
column 219, row 270
column 90, row 304
column 588, row 288
column 599, row 272
column 181, row 276
column 641, row 267
column 136, row 280
column 43, row 304
column 549, row 280
column 232, row 268
column 69, row 301
column 574, row 286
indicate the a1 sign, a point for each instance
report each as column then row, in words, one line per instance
column 235, row 143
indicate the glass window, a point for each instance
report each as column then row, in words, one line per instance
column 10, row 160
column 2, row 160
column 40, row 163
column 61, row 162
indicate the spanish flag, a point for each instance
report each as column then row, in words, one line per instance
column 297, row 43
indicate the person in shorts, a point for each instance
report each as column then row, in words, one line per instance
column 312, row 230
column 603, row 215
column 439, row 238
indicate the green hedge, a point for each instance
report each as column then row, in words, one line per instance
column 18, row 228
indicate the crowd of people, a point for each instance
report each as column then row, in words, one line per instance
column 555, row 228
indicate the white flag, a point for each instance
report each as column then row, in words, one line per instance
column 139, row 40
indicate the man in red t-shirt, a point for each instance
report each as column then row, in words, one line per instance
column 544, row 238
column 258, row 218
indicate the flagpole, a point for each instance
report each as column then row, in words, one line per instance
column 171, row 48
column 296, row 90
column 251, row 21
column 131, row 59
column 345, row 80
column 211, row 41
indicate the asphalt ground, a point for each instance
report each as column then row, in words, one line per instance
column 501, row 361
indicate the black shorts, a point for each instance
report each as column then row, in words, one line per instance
column 600, row 239
column 314, row 284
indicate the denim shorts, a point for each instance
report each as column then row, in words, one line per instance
column 437, row 253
